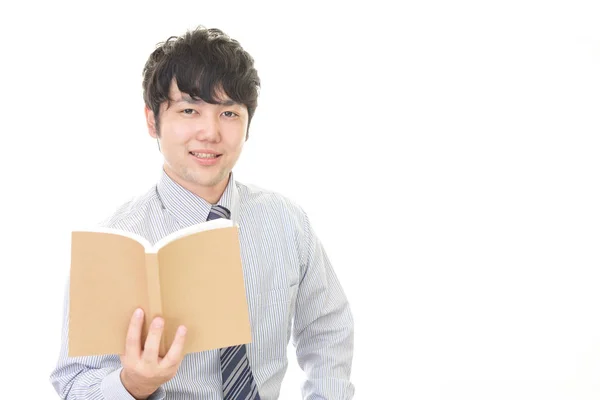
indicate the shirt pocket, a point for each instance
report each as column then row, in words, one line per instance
column 271, row 313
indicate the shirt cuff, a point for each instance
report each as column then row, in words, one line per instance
column 112, row 388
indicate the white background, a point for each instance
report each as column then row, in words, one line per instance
column 446, row 152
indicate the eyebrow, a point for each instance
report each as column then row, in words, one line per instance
column 188, row 99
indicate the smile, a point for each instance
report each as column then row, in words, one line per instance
column 205, row 155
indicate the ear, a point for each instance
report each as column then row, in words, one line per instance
column 150, row 122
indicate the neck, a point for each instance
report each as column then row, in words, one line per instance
column 211, row 194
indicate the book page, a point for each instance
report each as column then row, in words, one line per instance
column 107, row 283
column 204, row 226
column 202, row 287
column 134, row 236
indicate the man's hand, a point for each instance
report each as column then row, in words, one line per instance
column 143, row 370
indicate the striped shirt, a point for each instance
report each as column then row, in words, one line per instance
column 291, row 288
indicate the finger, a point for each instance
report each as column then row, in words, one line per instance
column 151, row 348
column 133, row 347
column 175, row 353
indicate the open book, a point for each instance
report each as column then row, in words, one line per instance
column 192, row 277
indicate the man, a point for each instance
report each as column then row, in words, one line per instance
column 200, row 92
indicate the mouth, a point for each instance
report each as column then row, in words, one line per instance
column 205, row 156
column 205, row 159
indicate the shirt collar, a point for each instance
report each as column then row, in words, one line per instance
column 189, row 208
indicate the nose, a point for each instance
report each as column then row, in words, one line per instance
column 208, row 128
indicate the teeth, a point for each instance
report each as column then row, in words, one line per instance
column 204, row 155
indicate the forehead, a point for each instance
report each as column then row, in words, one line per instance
column 176, row 95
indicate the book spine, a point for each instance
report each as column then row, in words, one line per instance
column 154, row 297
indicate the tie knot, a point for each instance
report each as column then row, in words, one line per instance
column 218, row 212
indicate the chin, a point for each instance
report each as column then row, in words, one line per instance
column 204, row 179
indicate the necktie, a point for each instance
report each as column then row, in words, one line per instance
column 238, row 382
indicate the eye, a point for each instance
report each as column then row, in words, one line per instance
column 188, row 111
column 230, row 114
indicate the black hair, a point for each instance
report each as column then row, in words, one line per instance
column 202, row 61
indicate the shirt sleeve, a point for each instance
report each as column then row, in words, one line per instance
column 87, row 378
column 323, row 326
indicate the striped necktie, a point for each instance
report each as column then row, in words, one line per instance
column 238, row 382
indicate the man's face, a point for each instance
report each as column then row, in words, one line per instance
column 200, row 142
